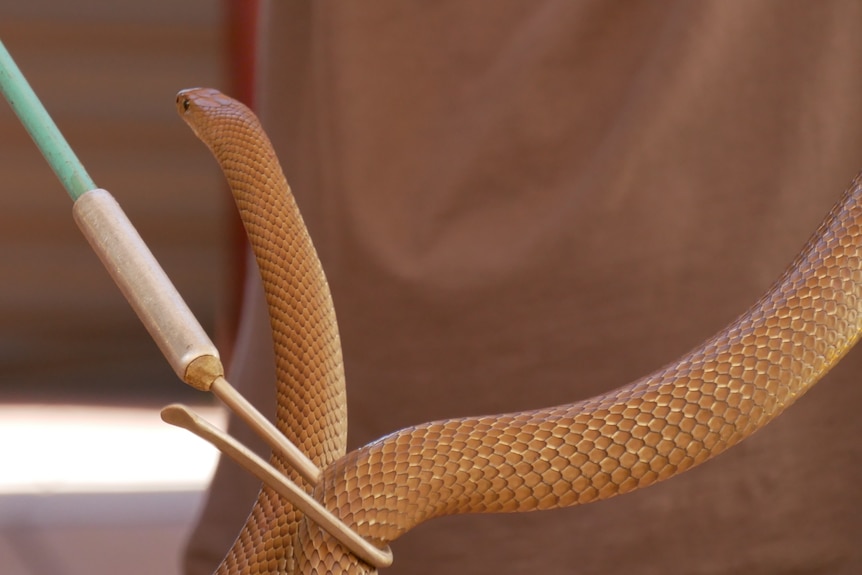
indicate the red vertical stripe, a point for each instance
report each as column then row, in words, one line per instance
column 241, row 23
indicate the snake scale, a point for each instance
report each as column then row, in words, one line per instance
column 711, row 398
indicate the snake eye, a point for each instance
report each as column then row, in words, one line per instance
column 186, row 104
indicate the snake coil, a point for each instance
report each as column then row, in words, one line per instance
column 662, row 424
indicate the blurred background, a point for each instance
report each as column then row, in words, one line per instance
column 91, row 481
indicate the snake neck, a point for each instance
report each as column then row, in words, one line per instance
column 310, row 379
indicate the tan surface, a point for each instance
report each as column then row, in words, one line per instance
column 531, row 205
column 85, row 549
column 108, row 72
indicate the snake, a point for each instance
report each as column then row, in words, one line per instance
column 660, row 425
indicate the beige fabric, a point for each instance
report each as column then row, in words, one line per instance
column 521, row 204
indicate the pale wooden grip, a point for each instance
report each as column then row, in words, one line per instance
column 145, row 285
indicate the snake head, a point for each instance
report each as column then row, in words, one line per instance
column 208, row 98
column 216, row 119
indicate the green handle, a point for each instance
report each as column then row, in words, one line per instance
column 42, row 128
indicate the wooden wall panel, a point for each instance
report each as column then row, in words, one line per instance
column 108, row 72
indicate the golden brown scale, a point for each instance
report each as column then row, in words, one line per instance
column 647, row 431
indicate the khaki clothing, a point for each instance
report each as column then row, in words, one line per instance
column 520, row 204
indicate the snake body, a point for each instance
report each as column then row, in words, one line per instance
column 311, row 406
column 649, row 430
